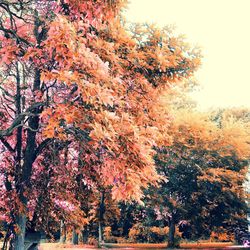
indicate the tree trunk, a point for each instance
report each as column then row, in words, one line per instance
column 85, row 235
column 25, row 153
column 100, row 239
column 18, row 240
column 62, row 232
column 29, row 158
column 33, row 247
column 101, row 219
column 171, row 234
column 74, row 237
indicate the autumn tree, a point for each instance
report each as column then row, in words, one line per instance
column 206, row 166
column 71, row 73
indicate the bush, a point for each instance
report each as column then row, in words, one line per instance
column 158, row 234
column 107, row 233
column 108, row 237
column 221, row 235
column 138, row 233
column 93, row 241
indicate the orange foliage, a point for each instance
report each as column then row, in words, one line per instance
column 120, row 79
column 197, row 130
column 221, row 235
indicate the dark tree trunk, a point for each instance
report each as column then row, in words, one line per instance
column 100, row 233
column 33, row 247
column 127, row 219
column 25, row 153
column 101, row 219
column 74, row 237
column 171, row 234
column 85, row 235
column 29, row 158
column 62, row 232
column 18, row 241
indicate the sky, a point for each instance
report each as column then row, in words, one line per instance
column 222, row 29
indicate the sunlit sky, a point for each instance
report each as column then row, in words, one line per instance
column 222, row 29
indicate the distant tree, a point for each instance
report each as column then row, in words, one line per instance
column 204, row 171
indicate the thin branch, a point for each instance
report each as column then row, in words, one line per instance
column 6, row 144
column 14, row 34
column 18, row 122
column 6, row 92
column 42, row 145
column 31, row 129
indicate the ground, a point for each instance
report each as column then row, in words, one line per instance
column 197, row 245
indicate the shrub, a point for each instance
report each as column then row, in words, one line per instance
column 137, row 233
column 158, row 234
column 107, row 233
column 93, row 241
column 221, row 235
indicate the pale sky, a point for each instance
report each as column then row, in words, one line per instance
column 222, row 29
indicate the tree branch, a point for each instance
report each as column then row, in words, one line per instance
column 14, row 34
column 19, row 119
column 42, row 145
column 6, row 144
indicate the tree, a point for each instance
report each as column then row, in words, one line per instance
column 205, row 166
column 71, row 74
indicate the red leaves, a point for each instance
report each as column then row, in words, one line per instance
column 8, row 53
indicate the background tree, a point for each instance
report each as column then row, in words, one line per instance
column 205, row 166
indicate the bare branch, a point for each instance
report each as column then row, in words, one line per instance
column 6, row 144
column 42, row 145
column 14, row 34
column 18, row 122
